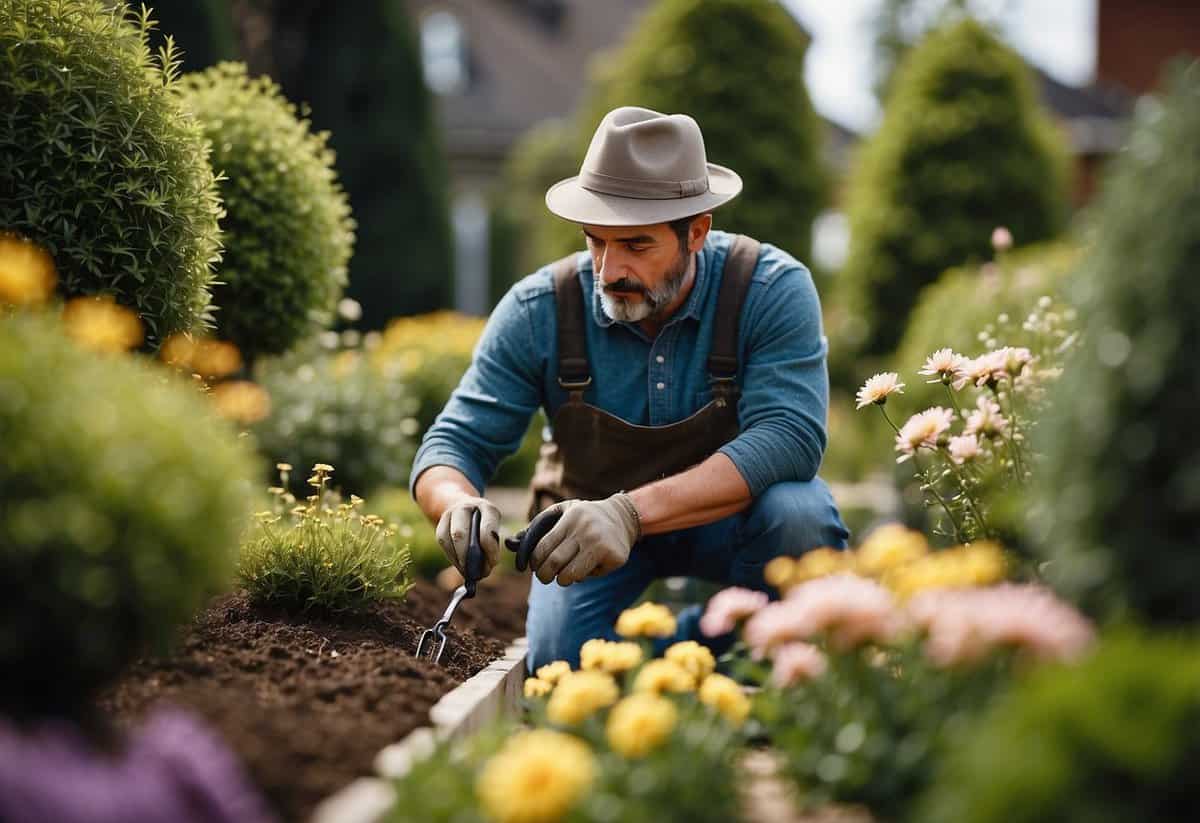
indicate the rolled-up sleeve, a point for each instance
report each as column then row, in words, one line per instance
column 488, row 413
column 785, row 382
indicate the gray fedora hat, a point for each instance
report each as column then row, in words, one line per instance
column 643, row 167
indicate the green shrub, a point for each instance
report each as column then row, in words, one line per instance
column 99, row 163
column 691, row 56
column 287, row 228
column 963, row 148
column 1122, row 488
column 324, row 554
column 335, row 408
column 413, row 528
column 1111, row 741
column 121, row 500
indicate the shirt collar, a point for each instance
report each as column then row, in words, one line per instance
column 690, row 308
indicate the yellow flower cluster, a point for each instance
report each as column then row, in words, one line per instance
column 201, row 355
column 536, row 687
column 664, row 676
column 410, row 341
column 27, row 275
column 898, row 557
column 608, row 656
column 578, row 695
column 536, row 777
column 99, row 324
column 641, row 723
column 646, row 620
column 241, row 401
column 695, row 659
column 726, row 696
column 553, row 672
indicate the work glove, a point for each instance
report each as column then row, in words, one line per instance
column 591, row 538
column 454, row 528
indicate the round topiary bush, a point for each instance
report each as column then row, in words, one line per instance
column 121, row 501
column 1121, row 495
column 287, row 229
column 964, row 147
column 100, row 165
column 338, row 409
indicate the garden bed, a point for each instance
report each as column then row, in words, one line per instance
column 307, row 703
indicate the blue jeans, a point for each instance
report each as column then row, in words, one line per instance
column 788, row 518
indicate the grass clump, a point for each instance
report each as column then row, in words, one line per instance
column 322, row 554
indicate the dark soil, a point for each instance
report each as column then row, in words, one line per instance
column 308, row 701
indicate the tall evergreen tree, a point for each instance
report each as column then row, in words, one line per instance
column 964, row 147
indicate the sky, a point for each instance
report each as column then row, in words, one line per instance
column 1056, row 35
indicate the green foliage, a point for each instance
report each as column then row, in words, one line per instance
column 963, row 148
column 121, row 500
column 335, row 408
column 202, row 29
column 1110, row 741
column 1122, row 487
column 413, row 528
column 373, row 100
column 691, row 56
column 325, row 554
column 98, row 162
column 287, row 229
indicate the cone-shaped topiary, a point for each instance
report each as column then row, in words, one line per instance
column 1121, row 511
column 98, row 162
column 963, row 148
column 287, row 230
column 122, row 497
column 737, row 67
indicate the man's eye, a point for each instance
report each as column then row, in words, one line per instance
column 636, row 249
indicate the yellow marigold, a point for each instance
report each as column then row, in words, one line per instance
column 607, row 656
column 984, row 562
column 780, row 571
column 889, row 546
column 536, row 777
column 726, row 696
column 646, row 620
column 978, row 564
column 579, row 695
column 241, row 401
column 696, row 659
column 664, row 676
column 553, row 672
column 640, row 723
column 821, row 562
column 27, row 273
column 536, row 687
column 99, row 324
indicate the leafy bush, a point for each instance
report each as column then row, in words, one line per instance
column 413, row 529
column 1111, row 740
column 963, row 148
column 1122, row 509
column 121, row 500
column 334, row 408
column 325, row 554
column 287, row 229
column 691, row 56
column 100, row 165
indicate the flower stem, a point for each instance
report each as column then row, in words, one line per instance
column 958, row 533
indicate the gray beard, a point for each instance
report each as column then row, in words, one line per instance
column 653, row 300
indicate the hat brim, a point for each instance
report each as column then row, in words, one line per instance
column 571, row 201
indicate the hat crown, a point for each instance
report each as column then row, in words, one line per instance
column 638, row 152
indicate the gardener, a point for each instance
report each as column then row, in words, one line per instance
column 684, row 373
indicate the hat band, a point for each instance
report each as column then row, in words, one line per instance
column 642, row 189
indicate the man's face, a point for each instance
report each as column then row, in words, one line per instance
column 639, row 270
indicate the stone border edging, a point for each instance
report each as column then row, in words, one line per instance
column 459, row 712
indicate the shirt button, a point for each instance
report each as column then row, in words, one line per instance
column 660, row 359
column 661, row 386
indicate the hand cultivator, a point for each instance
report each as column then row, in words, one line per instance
column 436, row 635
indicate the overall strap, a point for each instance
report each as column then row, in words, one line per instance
column 574, row 373
column 740, row 262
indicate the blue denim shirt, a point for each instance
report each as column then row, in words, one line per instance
column 782, row 371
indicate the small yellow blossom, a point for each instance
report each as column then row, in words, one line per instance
column 608, row 656
column 726, row 696
column 889, row 546
column 536, row 777
column 553, row 672
column 696, row 659
column 821, row 562
column 979, row 564
column 322, row 468
column 641, row 723
column 579, row 695
column 241, row 401
column 99, row 324
column 284, row 467
column 536, row 687
column 646, row 620
column 27, row 273
column 779, row 571
column 664, row 676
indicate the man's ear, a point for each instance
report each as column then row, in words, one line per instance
column 698, row 231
